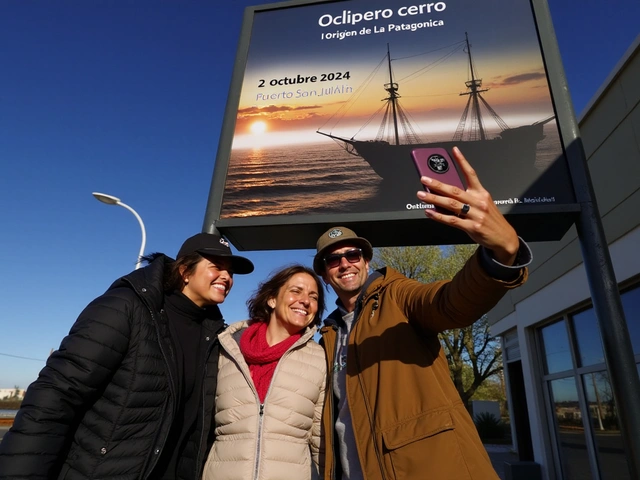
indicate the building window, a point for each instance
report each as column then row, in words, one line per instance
column 570, row 434
column 557, row 355
column 605, row 426
column 583, row 411
column 590, row 350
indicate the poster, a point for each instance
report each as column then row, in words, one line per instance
column 335, row 97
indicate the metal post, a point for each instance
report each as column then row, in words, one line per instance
column 617, row 347
column 144, row 233
column 111, row 200
column 618, row 351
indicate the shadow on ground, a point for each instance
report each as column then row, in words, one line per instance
column 500, row 454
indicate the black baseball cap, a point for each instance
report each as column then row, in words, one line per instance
column 213, row 244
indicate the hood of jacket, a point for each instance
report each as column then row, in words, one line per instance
column 148, row 283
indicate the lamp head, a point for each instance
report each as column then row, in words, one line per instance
column 108, row 199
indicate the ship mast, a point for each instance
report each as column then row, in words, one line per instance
column 392, row 88
column 394, row 117
column 474, row 86
column 396, row 112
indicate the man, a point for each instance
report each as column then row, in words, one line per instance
column 130, row 392
column 392, row 411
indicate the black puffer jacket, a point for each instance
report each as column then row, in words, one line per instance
column 103, row 405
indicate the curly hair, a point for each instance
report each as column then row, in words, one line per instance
column 257, row 304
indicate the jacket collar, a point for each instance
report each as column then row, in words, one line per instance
column 233, row 329
column 335, row 318
column 148, row 283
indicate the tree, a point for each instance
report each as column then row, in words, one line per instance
column 471, row 352
column 475, row 347
column 491, row 389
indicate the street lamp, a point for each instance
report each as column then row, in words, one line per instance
column 111, row 200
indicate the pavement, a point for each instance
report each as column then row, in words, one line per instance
column 500, row 454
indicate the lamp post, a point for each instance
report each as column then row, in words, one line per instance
column 111, row 200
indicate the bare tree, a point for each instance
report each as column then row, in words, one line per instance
column 471, row 349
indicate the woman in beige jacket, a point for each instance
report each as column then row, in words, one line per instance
column 271, row 382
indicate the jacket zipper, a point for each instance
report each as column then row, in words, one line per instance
column 259, row 443
column 332, row 406
column 204, row 402
column 261, row 406
column 173, row 393
column 148, row 468
column 374, row 307
column 249, row 380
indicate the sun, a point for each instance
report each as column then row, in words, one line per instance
column 258, row 127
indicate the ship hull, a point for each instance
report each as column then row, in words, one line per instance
column 505, row 165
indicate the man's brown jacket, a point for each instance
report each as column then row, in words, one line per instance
column 408, row 418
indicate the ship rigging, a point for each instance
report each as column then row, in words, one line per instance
column 388, row 153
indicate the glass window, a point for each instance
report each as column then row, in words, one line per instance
column 585, row 324
column 556, row 348
column 570, row 430
column 605, row 426
column 631, row 307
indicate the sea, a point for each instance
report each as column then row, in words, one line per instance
column 310, row 178
column 321, row 178
column 7, row 413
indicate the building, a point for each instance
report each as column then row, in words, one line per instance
column 560, row 399
column 11, row 393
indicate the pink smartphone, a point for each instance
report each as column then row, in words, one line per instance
column 438, row 164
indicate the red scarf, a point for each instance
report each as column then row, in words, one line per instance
column 261, row 358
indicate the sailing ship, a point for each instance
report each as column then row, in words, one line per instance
column 509, row 153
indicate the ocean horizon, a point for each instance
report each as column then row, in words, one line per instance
column 323, row 178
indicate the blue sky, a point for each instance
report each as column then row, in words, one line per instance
column 127, row 98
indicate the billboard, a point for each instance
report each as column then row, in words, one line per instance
column 329, row 99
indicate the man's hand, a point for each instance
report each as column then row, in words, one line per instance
column 475, row 212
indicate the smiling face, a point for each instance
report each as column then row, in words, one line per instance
column 210, row 282
column 347, row 278
column 295, row 305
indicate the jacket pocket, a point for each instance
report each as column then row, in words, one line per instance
column 423, row 447
column 417, row 428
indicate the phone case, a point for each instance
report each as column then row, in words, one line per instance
column 437, row 164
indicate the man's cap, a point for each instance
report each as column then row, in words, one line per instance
column 213, row 244
column 339, row 235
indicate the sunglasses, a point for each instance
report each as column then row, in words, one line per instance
column 352, row 256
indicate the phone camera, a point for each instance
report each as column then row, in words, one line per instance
column 438, row 164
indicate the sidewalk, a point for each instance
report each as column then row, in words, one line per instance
column 500, row 454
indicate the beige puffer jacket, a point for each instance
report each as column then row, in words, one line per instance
column 278, row 440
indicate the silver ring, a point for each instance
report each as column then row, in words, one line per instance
column 465, row 209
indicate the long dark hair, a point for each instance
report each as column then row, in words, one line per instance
column 257, row 304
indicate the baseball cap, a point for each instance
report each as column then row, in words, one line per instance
column 214, row 244
column 339, row 235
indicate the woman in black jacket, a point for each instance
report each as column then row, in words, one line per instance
column 129, row 394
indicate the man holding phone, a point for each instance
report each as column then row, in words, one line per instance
column 391, row 410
